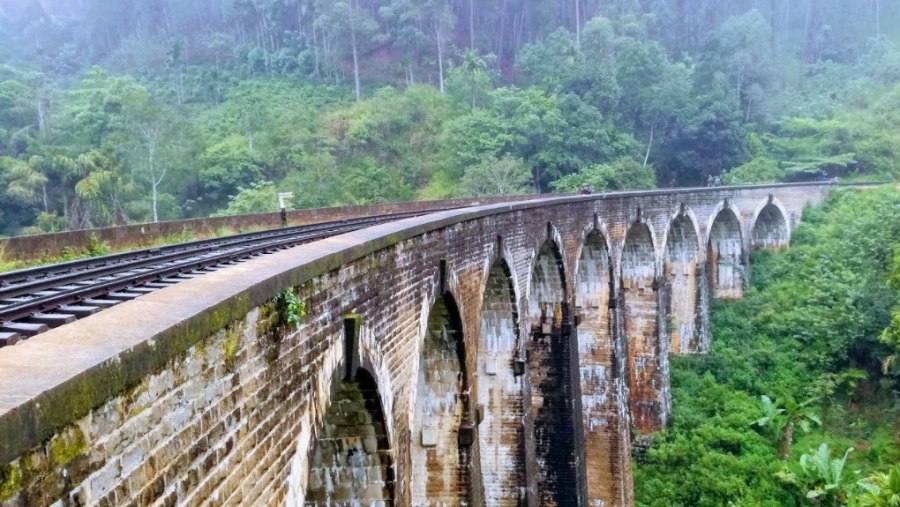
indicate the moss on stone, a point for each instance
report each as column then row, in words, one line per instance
column 269, row 329
column 268, row 318
column 11, row 480
column 66, row 447
column 128, row 407
column 231, row 344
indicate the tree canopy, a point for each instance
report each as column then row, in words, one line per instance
column 159, row 109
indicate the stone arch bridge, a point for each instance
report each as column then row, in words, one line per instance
column 506, row 355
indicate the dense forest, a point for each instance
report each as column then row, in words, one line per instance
column 142, row 110
column 798, row 401
column 139, row 110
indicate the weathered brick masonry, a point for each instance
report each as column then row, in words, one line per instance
column 499, row 355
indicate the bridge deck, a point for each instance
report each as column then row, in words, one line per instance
column 60, row 376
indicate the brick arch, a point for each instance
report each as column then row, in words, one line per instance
column 686, row 213
column 440, row 457
column 607, row 461
column 352, row 462
column 596, row 226
column 771, row 228
column 500, row 391
column 547, row 285
column 549, row 240
column 549, row 366
column 680, row 271
column 372, row 359
column 725, row 254
column 646, row 354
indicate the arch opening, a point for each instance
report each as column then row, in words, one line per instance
column 352, row 464
column 640, row 295
column 440, row 456
column 607, row 455
column 500, row 389
column 682, row 294
column 770, row 230
column 550, row 374
column 724, row 257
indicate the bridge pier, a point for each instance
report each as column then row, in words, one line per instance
column 501, row 430
column 550, row 368
column 640, row 296
column 441, row 444
column 681, row 287
column 604, row 403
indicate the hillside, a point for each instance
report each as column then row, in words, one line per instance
column 153, row 110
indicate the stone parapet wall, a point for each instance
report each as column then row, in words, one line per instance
column 48, row 246
column 204, row 393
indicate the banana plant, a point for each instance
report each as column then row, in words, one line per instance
column 880, row 490
column 783, row 415
column 822, row 479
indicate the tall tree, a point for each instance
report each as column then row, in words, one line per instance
column 349, row 21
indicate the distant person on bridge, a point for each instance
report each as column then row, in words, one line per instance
column 586, row 190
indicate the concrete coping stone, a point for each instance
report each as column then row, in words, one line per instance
column 55, row 378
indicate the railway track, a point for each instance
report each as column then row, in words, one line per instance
column 35, row 300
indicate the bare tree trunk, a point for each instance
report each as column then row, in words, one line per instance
column 501, row 37
column 152, row 134
column 806, row 26
column 153, row 191
column 578, row 24
column 786, row 39
column 472, row 25
column 355, row 52
column 438, row 34
column 42, row 118
column 649, row 143
column 180, row 89
column 315, row 53
column 788, row 441
column 355, row 65
column 878, row 18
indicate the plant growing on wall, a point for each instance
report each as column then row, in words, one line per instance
column 291, row 308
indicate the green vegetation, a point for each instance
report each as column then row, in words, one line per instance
column 231, row 344
column 115, row 112
column 291, row 308
column 795, row 377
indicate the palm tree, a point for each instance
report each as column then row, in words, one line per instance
column 102, row 187
column 473, row 67
column 27, row 183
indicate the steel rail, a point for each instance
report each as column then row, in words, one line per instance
column 54, row 295
column 25, row 275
